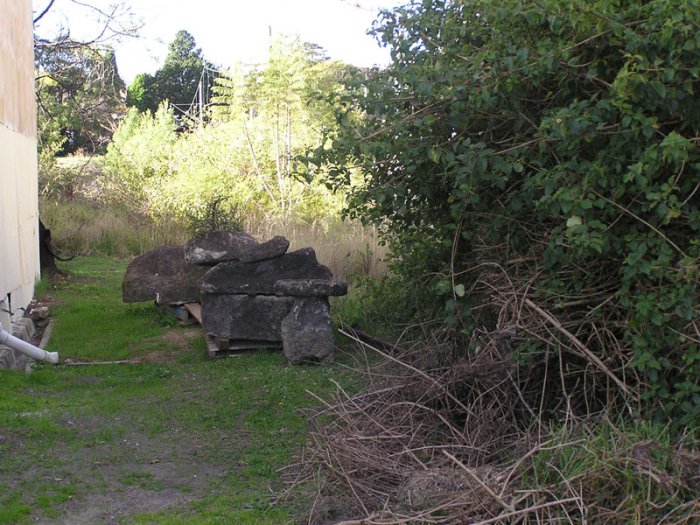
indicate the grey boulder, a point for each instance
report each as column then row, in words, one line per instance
column 162, row 275
column 307, row 332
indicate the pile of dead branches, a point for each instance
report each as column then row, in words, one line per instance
column 528, row 420
column 462, row 444
column 574, row 360
column 475, row 435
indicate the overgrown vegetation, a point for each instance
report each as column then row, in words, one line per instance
column 159, row 185
column 534, row 167
column 242, row 159
column 83, row 223
column 540, row 162
column 437, row 438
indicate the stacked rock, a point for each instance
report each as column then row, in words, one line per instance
column 252, row 294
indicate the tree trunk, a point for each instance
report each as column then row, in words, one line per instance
column 47, row 259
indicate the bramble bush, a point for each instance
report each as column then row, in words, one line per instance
column 542, row 158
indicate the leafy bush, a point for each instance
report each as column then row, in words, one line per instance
column 541, row 160
column 138, row 158
column 245, row 153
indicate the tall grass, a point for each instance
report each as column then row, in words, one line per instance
column 349, row 249
column 81, row 226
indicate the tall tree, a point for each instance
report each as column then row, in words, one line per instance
column 177, row 81
column 282, row 108
column 79, row 94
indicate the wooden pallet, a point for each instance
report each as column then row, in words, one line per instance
column 219, row 347
column 183, row 312
column 222, row 347
column 194, row 310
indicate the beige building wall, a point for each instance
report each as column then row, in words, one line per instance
column 19, row 215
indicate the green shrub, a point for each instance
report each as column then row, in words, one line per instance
column 138, row 158
column 544, row 152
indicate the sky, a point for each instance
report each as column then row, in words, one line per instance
column 227, row 31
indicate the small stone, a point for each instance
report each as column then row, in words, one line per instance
column 39, row 312
column 424, row 488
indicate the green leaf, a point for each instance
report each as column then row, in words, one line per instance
column 574, row 220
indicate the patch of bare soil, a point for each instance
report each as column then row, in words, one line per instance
column 135, row 488
column 171, row 344
column 180, row 338
column 126, row 466
column 162, row 349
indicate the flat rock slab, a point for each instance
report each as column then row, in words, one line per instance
column 162, row 275
column 224, row 246
column 267, row 250
column 259, row 278
column 12, row 360
column 310, row 287
column 255, row 318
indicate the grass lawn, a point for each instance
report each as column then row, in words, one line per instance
column 177, row 438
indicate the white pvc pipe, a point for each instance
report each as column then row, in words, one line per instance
column 26, row 348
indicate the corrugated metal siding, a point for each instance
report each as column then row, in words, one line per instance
column 19, row 245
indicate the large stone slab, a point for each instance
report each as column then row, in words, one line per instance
column 162, row 275
column 310, row 287
column 254, row 318
column 214, row 247
column 12, row 360
column 267, row 250
column 259, row 278
column 307, row 332
column 223, row 246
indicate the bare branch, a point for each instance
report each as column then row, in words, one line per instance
column 46, row 10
